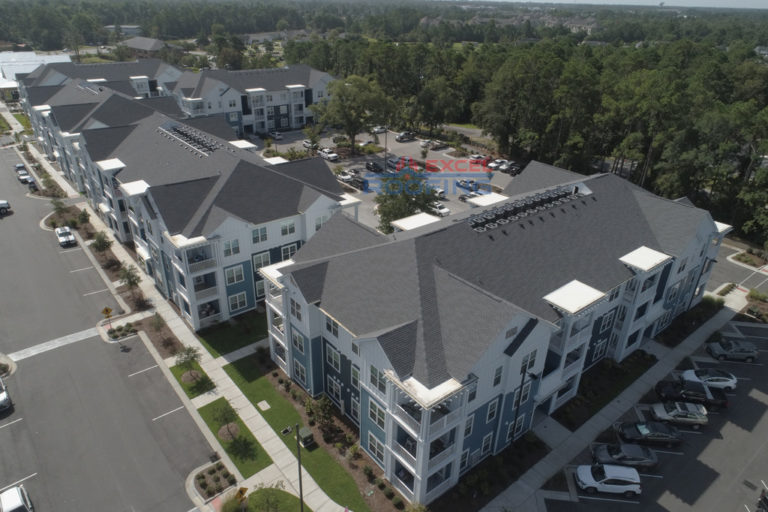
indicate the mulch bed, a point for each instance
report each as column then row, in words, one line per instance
column 163, row 339
column 228, row 432
column 373, row 496
column 686, row 323
column 486, row 480
column 213, row 480
column 753, row 259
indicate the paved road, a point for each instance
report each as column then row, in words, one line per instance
column 90, row 430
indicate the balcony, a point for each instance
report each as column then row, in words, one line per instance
column 409, row 415
column 205, row 286
column 404, row 481
column 210, row 320
column 442, row 456
column 200, row 258
column 206, row 292
column 275, row 296
column 405, row 454
column 441, row 418
column 202, row 264
column 277, row 326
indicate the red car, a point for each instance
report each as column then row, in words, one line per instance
column 480, row 159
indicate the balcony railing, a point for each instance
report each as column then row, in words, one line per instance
column 206, row 292
column 403, row 488
column 406, row 418
column 210, row 320
column 442, row 456
column 443, row 420
column 202, row 265
column 403, row 452
column 438, row 490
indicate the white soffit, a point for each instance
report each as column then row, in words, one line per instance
column 644, row 258
column 723, row 228
column 113, row 164
column 574, row 296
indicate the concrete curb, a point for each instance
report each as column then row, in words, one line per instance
column 12, row 366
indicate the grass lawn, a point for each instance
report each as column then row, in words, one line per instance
column 256, row 458
column 282, row 500
column 196, row 388
column 326, row 471
column 4, row 126
column 464, row 125
column 227, row 337
column 93, row 59
column 24, row 120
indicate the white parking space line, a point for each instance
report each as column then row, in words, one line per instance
column 167, row 413
column 651, row 476
column 71, row 250
column 56, row 343
column 11, row 423
column 80, row 269
column 669, row 453
column 691, row 432
column 581, row 496
column 142, row 371
column 17, row 482
column 97, row 291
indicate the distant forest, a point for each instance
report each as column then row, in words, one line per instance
column 680, row 95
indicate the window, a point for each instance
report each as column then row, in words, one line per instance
column 259, row 235
column 529, row 360
column 320, row 221
column 289, row 251
column 234, row 274
column 232, row 103
column 298, row 341
column 376, row 448
column 355, row 377
column 464, row 459
column 472, row 392
column 269, row 97
column 260, row 260
column 510, row 432
column 300, row 372
column 231, row 247
column 633, row 338
column 355, row 410
column 526, row 393
column 519, row 424
column 296, row 309
column 376, row 414
column 468, row 425
column 580, row 324
column 511, row 332
column 331, row 326
column 487, row 441
column 641, row 311
column 649, row 282
column 377, row 379
column 622, row 313
column 607, row 320
column 682, row 265
column 319, row 94
column 259, row 288
column 237, row 301
column 288, row 228
column 497, row 376
column 333, row 358
column 600, row 348
column 355, row 349
column 334, row 389
column 492, row 407
column 614, row 294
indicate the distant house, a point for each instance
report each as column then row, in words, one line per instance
column 128, row 30
column 144, row 47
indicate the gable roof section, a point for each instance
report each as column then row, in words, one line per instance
column 69, row 116
column 147, row 44
column 213, row 125
column 196, row 85
column 310, row 280
column 311, row 171
column 176, row 202
column 102, row 142
column 538, row 175
column 340, row 234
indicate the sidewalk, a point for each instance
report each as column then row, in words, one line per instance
column 524, row 495
column 285, row 466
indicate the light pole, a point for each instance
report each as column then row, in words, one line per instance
column 523, row 375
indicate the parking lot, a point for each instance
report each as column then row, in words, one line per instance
column 92, row 427
column 721, row 467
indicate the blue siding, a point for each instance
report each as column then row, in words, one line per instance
column 367, row 426
column 480, row 428
column 304, row 358
column 316, row 362
column 507, row 415
column 246, row 285
column 598, row 336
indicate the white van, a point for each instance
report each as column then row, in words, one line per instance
column 15, row 499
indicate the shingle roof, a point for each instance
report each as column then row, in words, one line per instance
column 146, row 44
column 196, row 85
column 538, row 175
column 58, row 72
column 101, row 143
column 457, row 286
column 340, row 234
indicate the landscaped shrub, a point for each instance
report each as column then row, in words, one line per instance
column 389, row 493
column 756, row 295
column 726, row 289
column 397, row 501
column 231, row 479
column 368, row 472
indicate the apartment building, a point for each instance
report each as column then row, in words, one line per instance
column 255, row 100
column 443, row 343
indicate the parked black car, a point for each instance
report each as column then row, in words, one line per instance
column 690, row 391
column 374, row 167
column 648, row 432
column 625, row 454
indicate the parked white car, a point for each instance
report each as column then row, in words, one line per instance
column 712, row 378
column 15, row 499
column 441, row 209
column 329, row 155
column 5, row 398
column 65, row 236
column 608, row 478
column 275, row 135
column 680, row 413
column 378, row 129
column 497, row 163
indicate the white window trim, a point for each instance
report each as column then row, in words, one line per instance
column 372, row 407
column 333, row 357
column 332, row 384
column 510, row 432
column 526, row 393
column 245, row 301
column 519, row 424
column 492, row 406
column 498, row 374
column 290, row 253
column 294, row 336
column 288, row 228
column 233, row 272
column 483, row 449
column 372, row 439
column 354, row 409
column 607, row 320
column 296, row 366
column 352, row 370
column 261, row 263
column 471, row 420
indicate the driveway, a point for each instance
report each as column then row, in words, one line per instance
column 93, row 427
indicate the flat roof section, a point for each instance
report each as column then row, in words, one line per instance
column 487, row 199
column 574, row 296
column 414, row 221
column 644, row 258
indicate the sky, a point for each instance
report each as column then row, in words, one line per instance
column 736, row 4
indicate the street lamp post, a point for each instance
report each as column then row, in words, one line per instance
column 298, row 454
column 523, row 375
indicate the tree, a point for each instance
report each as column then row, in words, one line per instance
column 436, row 103
column 58, row 206
column 324, row 413
column 403, row 195
column 356, row 104
column 129, row 276
column 267, row 499
column 83, row 217
column 224, row 415
column 313, row 132
column 101, row 242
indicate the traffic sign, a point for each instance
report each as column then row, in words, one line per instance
column 107, row 312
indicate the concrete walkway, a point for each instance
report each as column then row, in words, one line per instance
column 525, row 495
column 285, row 466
